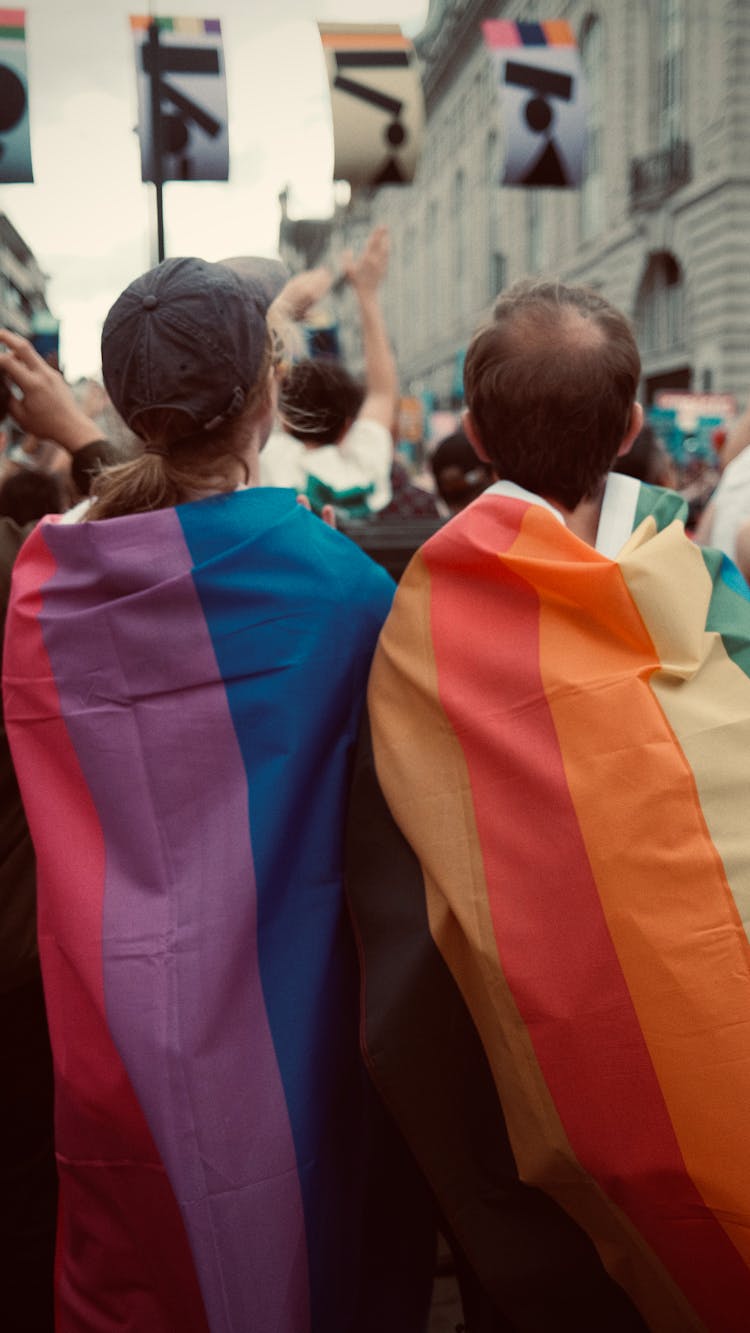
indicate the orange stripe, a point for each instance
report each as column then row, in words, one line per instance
column 368, row 39
column 558, row 32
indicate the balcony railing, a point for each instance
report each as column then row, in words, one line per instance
column 654, row 178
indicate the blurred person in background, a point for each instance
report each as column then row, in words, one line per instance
column 335, row 445
column 460, row 475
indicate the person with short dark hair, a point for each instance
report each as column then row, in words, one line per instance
column 29, row 494
column 550, row 385
column 648, row 459
column 548, row 858
column 460, row 476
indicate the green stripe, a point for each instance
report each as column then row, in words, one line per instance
column 662, row 505
column 14, row 33
column 729, row 608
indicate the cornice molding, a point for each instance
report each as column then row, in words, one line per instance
column 449, row 35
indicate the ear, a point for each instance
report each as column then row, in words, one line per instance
column 634, row 428
column 472, row 435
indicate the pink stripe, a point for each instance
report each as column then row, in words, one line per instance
column 501, row 33
column 104, row 1147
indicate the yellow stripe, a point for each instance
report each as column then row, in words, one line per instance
column 701, row 1050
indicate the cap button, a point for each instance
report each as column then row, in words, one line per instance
column 150, row 301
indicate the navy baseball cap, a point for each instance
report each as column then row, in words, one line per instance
column 189, row 336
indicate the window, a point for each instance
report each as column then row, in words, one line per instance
column 433, row 275
column 491, row 166
column 535, row 252
column 459, row 225
column 660, row 309
column 410, row 282
column 592, row 186
column 671, row 71
column 498, row 271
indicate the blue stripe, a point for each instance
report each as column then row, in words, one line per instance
column 293, row 610
column 532, row 34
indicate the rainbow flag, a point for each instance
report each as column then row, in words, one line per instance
column 182, row 692
column 550, row 875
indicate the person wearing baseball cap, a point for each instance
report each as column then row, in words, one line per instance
column 184, row 672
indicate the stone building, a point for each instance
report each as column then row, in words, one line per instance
column 23, row 304
column 660, row 224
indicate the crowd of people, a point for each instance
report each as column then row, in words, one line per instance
column 335, row 913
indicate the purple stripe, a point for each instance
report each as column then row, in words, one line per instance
column 181, row 979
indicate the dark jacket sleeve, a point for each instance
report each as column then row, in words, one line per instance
column 18, row 948
column 89, row 460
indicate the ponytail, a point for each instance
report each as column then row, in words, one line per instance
column 176, row 467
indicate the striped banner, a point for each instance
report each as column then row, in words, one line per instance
column 15, row 139
column 562, row 740
column 186, row 58
column 377, row 103
column 182, row 690
column 545, row 101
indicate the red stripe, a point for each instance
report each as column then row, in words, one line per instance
column 552, row 938
column 122, row 1247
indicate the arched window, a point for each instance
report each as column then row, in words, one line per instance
column 660, row 308
column 592, row 187
column 434, row 285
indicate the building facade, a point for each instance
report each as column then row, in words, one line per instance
column 659, row 225
column 23, row 303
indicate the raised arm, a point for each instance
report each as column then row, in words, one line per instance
column 293, row 302
column 366, row 274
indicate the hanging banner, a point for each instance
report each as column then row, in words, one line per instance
column 376, row 101
column 188, row 61
column 544, row 96
column 15, row 143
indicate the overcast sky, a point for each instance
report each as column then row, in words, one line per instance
column 89, row 219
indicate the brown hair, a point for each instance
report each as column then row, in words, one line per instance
column 317, row 400
column 176, row 466
column 550, row 384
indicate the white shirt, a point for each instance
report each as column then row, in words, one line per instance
column 362, row 460
column 731, row 504
column 616, row 517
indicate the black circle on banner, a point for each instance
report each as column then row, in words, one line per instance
column 538, row 115
column 174, row 134
column 12, row 98
column 396, row 134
